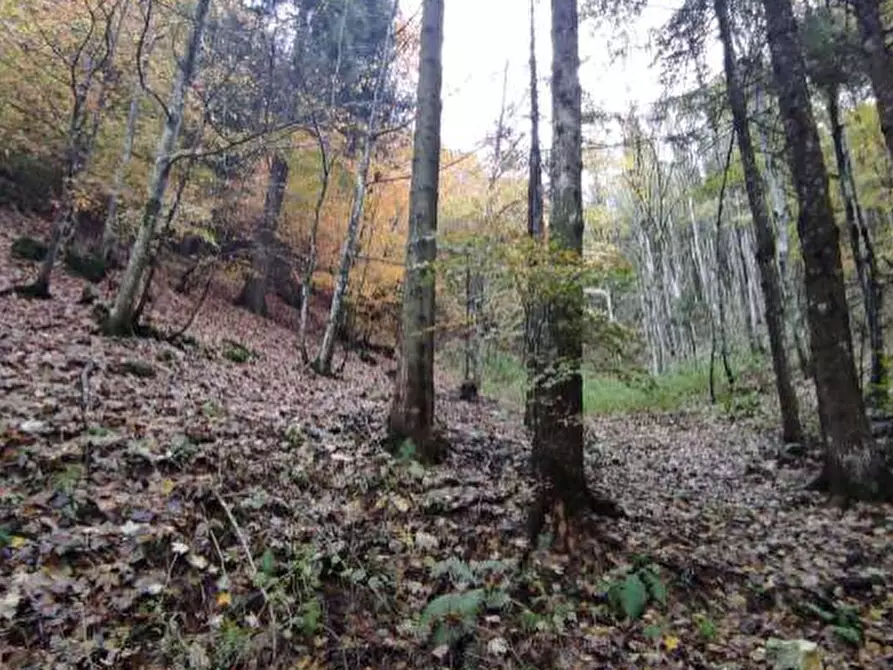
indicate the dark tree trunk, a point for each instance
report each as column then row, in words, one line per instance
column 558, row 416
column 769, row 277
column 880, row 62
column 253, row 295
column 412, row 411
column 863, row 259
column 854, row 464
column 535, row 229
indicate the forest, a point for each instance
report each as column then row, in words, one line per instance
column 290, row 382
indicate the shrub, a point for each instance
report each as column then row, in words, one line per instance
column 89, row 266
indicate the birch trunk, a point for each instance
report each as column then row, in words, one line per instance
column 412, row 410
column 854, row 464
column 323, row 363
column 120, row 320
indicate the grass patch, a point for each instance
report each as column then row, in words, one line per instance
column 505, row 378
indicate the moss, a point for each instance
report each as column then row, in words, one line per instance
column 91, row 267
column 28, row 249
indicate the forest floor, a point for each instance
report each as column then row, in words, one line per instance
column 165, row 507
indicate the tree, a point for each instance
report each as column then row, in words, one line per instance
column 90, row 60
column 854, row 464
column 558, row 409
column 323, row 363
column 771, row 284
column 880, row 62
column 535, row 225
column 120, row 320
column 412, row 410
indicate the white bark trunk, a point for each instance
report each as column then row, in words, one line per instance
column 120, row 318
column 349, row 250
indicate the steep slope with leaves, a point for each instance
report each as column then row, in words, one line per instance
column 217, row 506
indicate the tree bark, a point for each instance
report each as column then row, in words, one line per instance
column 535, row 229
column 558, row 420
column 769, row 279
column 854, row 464
column 863, row 259
column 880, row 62
column 120, row 320
column 254, row 292
column 412, row 411
column 323, row 363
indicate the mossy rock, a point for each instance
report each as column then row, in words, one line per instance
column 91, row 267
column 29, row 249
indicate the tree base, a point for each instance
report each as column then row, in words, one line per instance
column 253, row 297
column 468, row 392
column 566, row 517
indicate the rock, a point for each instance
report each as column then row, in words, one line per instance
column 793, row 655
column 33, row 427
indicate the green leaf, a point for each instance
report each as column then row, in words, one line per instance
column 462, row 605
column 268, row 563
column 823, row 614
column 848, row 634
column 656, row 586
column 633, row 596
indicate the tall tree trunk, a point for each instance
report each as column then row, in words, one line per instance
column 769, row 278
column 533, row 319
column 558, row 423
column 863, row 259
column 791, row 290
column 323, row 363
column 854, row 464
column 254, row 292
column 120, row 320
column 880, row 62
column 722, row 271
column 412, row 411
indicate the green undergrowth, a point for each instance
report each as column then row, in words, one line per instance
column 685, row 385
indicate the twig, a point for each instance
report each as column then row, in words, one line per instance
column 85, row 390
column 238, row 531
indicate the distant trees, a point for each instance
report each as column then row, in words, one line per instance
column 412, row 408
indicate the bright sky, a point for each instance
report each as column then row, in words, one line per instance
column 481, row 35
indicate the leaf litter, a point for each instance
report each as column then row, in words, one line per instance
column 167, row 507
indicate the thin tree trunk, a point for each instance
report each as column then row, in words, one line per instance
column 864, row 260
column 766, row 254
column 722, row 271
column 533, row 322
column 323, row 363
column 412, row 411
column 854, row 464
column 880, row 62
column 110, row 229
column 326, row 163
column 120, row 320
